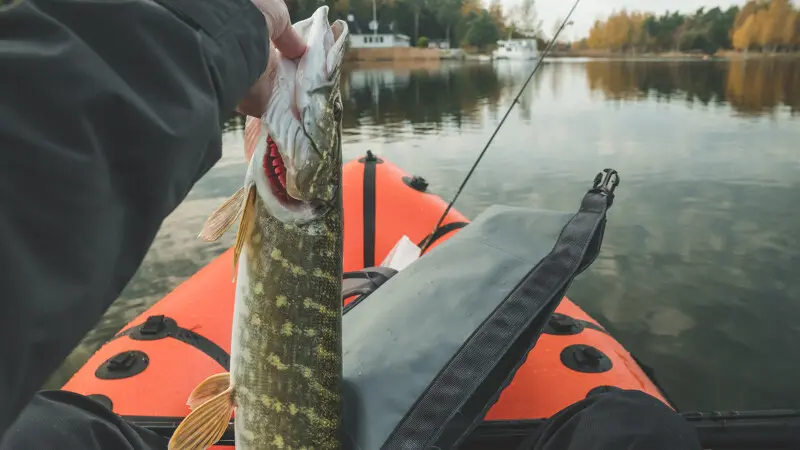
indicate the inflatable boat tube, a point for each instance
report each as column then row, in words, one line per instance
column 149, row 368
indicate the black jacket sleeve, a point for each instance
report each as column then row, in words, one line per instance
column 110, row 110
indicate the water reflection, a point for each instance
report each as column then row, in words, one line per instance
column 428, row 98
column 419, row 100
column 751, row 87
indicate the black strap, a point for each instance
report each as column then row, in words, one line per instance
column 160, row 327
column 373, row 277
column 367, row 274
column 441, row 231
column 461, row 394
column 369, row 190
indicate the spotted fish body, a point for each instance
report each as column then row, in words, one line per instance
column 286, row 361
column 286, row 343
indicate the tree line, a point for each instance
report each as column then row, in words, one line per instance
column 760, row 25
column 459, row 22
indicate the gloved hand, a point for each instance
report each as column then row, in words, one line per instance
column 283, row 39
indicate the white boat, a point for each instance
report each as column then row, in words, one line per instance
column 516, row 49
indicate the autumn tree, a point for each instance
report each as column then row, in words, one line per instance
column 743, row 35
column 791, row 31
column 769, row 25
column 773, row 22
column 705, row 31
column 597, row 36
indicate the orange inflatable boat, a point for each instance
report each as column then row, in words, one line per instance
column 149, row 368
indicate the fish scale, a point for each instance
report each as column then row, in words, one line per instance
column 300, row 292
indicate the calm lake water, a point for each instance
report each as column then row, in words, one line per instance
column 698, row 275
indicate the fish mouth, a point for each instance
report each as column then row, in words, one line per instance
column 271, row 187
column 275, row 169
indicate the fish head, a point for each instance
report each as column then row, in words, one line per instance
column 297, row 161
column 319, row 106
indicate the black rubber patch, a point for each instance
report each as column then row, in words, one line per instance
column 160, row 327
column 369, row 192
column 416, row 183
column 103, row 400
column 154, row 328
column 123, row 365
column 585, row 358
column 370, row 157
column 561, row 325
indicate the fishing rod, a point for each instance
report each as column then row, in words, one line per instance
column 430, row 238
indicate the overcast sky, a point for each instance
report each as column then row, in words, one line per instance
column 588, row 10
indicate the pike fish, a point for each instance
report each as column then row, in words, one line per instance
column 286, row 355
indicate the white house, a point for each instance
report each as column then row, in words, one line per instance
column 379, row 40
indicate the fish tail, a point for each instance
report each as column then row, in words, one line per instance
column 212, row 405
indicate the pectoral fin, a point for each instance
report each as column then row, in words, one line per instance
column 208, row 389
column 246, row 225
column 206, row 424
column 223, row 218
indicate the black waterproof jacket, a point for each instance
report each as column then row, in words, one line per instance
column 110, row 111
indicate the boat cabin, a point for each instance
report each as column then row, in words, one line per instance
column 516, row 49
column 380, row 40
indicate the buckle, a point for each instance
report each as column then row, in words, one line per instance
column 606, row 183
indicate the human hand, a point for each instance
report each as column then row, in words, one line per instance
column 285, row 42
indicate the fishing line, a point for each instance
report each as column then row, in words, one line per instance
column 430, row 239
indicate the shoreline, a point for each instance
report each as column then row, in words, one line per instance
column 721, row 55
column 413, row 54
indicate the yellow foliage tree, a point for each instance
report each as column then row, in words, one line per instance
column 743, row 35
column 791, row 30
column 619, row 30
column 597, row 36
column 772, row 22
column 768, row 24
column 749, row 9
column 756, row 36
